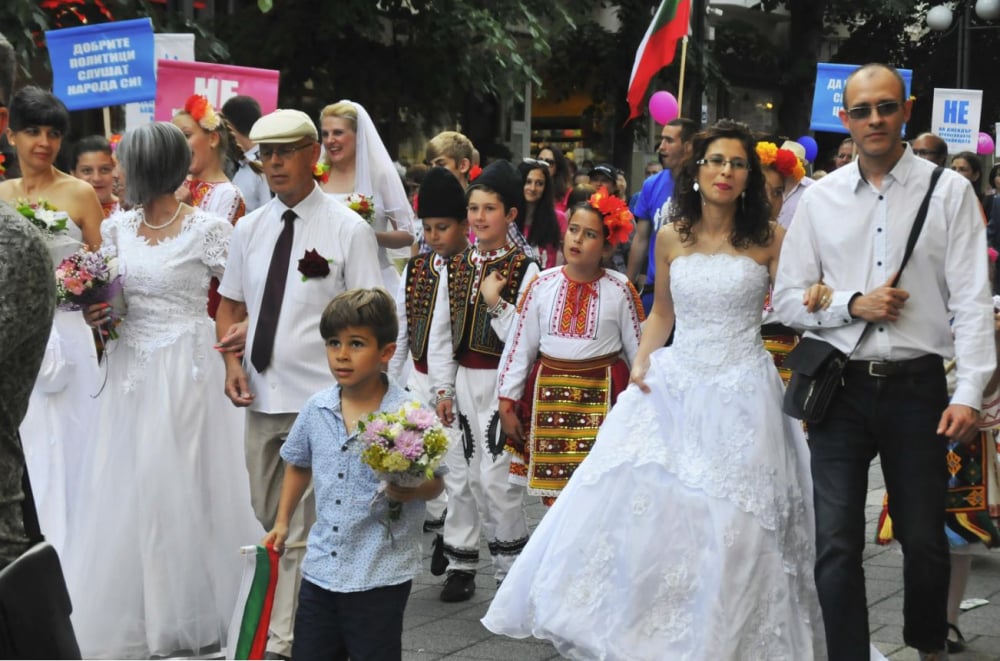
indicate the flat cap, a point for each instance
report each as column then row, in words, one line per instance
column 283, row 125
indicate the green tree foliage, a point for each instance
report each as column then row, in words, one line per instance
column 412, row 63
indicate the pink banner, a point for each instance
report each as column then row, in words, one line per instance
column 176, row 81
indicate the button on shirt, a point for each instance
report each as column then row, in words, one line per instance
column 298, row 365
column 852, row 236
column 348, row 548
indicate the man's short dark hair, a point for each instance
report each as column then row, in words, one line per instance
column 687, row 126
column 373, row 309
column 242, row 111
column 876, row 65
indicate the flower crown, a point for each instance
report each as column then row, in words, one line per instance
column 202, row 111
column 784, row 161
column 614, row 211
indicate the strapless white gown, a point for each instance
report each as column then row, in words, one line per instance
column 687, row 533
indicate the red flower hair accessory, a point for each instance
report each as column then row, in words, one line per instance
column 614, row 211
column 202, row 112
column 784, row 161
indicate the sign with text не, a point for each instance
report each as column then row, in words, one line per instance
column 828, row 96
column 176, row 81
column 107, row 64
column 955, row 118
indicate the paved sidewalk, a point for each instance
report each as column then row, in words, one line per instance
column 435, row 630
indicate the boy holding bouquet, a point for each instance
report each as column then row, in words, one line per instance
column 364, row 549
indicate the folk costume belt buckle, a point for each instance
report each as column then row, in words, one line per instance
column 879, row 369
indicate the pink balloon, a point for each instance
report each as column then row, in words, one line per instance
column 663, row 107
column 985, row 145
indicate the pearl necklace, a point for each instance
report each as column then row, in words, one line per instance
column 164, row 225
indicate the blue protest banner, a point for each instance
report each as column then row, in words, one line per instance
column 828, row 96
column 107, row 64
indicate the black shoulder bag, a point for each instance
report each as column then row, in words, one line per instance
column 818, row 367
column 34, row 602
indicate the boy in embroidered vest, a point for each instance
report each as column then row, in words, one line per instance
column 468, row 330
column 446, row 229
column 356, row 578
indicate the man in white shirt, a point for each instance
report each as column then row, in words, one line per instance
column 849, row 233
column 242, row 112
column 286, row 261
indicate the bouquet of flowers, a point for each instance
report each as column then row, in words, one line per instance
column 403, row 447
column 363, row 205
column 85, row 278
column 321, row 172
column 43, row 216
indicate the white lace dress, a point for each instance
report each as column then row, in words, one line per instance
column 61, row 407
column 152, row 560
column 687, row 533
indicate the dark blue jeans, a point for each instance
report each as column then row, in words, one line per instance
column 896, row 418
column 362, row 626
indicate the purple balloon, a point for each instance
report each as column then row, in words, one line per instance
column 985, row 145
column 809, row 144
column 663, row 107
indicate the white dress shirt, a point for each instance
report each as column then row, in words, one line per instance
column 252, row 185
column 852, row 236
column 298, row 366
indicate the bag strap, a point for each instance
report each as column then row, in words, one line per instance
column 918, row 225
column 29, row 514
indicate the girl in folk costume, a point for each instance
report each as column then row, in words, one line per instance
column 777, row 166
column 207, row 186
column 213, row 149
column 468, row 330
column 578, row 320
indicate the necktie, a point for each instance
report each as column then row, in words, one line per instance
column 274, row 293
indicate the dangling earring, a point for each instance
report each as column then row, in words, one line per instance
column 743, row 199
column 695, row 187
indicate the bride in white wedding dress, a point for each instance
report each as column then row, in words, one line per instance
column 152, row 558
column 687, row 533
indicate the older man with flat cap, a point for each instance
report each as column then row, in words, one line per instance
column 286, row 261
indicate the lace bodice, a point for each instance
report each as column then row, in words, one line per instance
column 718, row 301
column 165, row 284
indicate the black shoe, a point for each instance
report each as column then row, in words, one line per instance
column 957, row 645
column 439, row 562
column 459, row 586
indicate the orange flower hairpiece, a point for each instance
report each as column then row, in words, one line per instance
column 202, row 111
column 614, row 211
column 784, row 161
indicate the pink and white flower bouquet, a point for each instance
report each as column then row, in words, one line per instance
column 87, row 277
column 404, row 447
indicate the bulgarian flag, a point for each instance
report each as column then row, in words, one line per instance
column 657, row 49
column 248, row 629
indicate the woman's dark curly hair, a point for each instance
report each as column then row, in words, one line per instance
column 751, row 226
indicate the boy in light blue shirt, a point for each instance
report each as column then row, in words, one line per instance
column 356, row 577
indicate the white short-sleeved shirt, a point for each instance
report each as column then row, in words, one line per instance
column 298, row 366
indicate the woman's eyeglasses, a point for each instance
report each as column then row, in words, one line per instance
column 885, row 109
column 717, row 162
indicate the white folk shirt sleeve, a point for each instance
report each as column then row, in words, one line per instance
column 441, row 364
column 852, row 236
column 521, row 347
column 504, row 322
column 398, row 361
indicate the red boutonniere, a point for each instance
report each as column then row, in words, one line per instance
column 314, row 265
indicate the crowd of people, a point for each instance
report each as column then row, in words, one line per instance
column 623, row 362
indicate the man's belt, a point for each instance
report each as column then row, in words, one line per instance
column 885, row 368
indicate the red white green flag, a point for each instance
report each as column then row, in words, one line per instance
column 247, row 637
column 657, row 50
